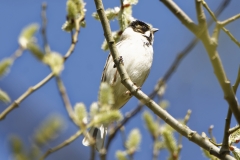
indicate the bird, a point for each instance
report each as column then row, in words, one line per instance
column 135, row 47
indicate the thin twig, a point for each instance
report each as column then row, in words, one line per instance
column 123, row 134
column 65, row 143
column 232, row 130
column 93, row 153
column 225, row 141
column 66, row 101
column 44, row 28
column 179, row 142
column 210, row 132
column 222, row 26
column 17, row 102
column 185, row 131
column 17, row 53
column 229, row 20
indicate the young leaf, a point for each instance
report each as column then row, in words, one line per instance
column 133, row 141
column 5, row 65
column 4, row 97
column 27, row 35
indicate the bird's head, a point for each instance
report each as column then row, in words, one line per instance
column 137, row 28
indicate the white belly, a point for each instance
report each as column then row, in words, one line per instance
column 137, row 62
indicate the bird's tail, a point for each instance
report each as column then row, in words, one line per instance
column 99, row 134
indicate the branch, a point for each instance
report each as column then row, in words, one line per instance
column 232, row 130
column 229, row 20
column 179, row 142
column 17, row 53
column 66, row 101
column 65, row 143
column 225, row 141
column 226, row 22
column 181, row 15
column 44, row 28
column 17, row 102
column 211, row 46
column 189, row 47
column 185, row 131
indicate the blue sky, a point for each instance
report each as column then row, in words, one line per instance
column 193, row 86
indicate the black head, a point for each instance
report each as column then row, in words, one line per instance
column 144, row 29
column 139, row 26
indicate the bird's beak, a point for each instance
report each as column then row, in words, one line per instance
column 154, row 30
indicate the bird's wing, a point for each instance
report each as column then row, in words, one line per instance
column 109, row 60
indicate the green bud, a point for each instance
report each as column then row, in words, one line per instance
column 16, row 144
column 151, row 125
column 27, row 35
column 67, row 26
column 164, row 104
column 80, row 111
column 170, row 141
column 93, row 109
column 105, row 45
column 121, row 155
column 55, row 61
column 106, row 117
column 159, row 145
column 106, row 97
column 48, row 130
column 4, row 97
column 116, row 36
column 83, row 24
column 112, row 13
column 133, row 141
column 208, row 155
column 5, row 65
column 95, row 15
column 72, row 10
column 234, row 137
column 35, row 50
